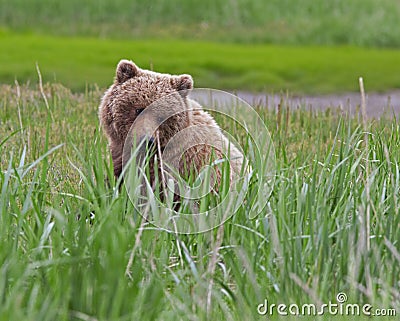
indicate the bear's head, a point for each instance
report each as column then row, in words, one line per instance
column 134, row 90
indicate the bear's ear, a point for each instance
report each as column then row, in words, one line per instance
column 183, row 84
column 126, row 70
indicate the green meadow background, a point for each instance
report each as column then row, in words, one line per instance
column 302, row 46
column 72, row 246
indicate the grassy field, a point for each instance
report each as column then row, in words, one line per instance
column 72, row 245
column 318, row 22
column 79, row 61
column 311, row 242
column 309, row 47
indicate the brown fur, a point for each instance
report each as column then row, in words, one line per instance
column 134, row 90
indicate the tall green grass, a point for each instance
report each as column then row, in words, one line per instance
column 357, row 22
column 73, row 248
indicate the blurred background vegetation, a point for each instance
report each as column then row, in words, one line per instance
column 356, row 22
column 237, row 44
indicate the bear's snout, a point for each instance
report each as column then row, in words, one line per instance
column 148, row 142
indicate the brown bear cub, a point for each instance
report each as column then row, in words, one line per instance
column 134, row 90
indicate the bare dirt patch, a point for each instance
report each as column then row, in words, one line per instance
column 378, row 104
